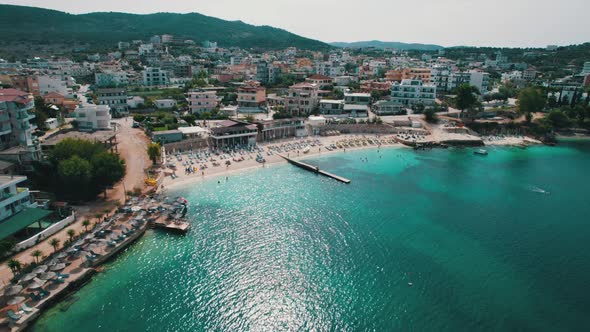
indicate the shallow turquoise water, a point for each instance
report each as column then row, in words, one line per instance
column 281, row 249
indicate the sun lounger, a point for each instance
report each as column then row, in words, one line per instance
column 26, row 308
column 63, row 275
column 43, row 292
column 57, row 280
column 13, row 315
column 35, row 297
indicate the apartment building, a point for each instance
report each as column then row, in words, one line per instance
column 57, row 84
column 478, row 79
column 412, row 92
column 111, row 78
column 251, row 96
column 153, row 76
column 115, row 98
column 268, row 73
column 16, row 113
column 302, row 99
column 200, row 101
column 321, row 80
column 439, row 76
column 399, row 75
column 19, row 212
column 92, row 117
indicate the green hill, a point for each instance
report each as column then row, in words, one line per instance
column 37, row 25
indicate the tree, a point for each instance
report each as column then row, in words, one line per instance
column 154, row 152
column 557, row 119
column 74, row 172
column 71, row 234
column 6, row 245
column 54, row 243
column 466, row 97
column 14, row 265
column 98, row 216
column 108, row 168
column 86, row 223
column 430, row 115
column 37, row 255
column 249, row 118
column 530, row 100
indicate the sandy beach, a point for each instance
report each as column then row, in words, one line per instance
column 249, row 163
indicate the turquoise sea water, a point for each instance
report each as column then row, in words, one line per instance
column 496, row 243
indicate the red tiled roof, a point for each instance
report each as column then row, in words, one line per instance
column 53, row 95
column 14, row 95
column 319, row 77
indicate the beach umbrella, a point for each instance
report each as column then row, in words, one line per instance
column 12, row 290
column 58, row 267
column 72, row 250
column 36, row 284
column 16, row 300
column 89, row 236
column 62, row 255
column 29, row 276
column 47, row 275
column 79, row 243
column 40, row 269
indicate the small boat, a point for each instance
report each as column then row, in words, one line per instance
column 306, row 150
column 481, row 152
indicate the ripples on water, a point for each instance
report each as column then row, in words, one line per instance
column 283, row 250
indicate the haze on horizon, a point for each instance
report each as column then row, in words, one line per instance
column 521, row 23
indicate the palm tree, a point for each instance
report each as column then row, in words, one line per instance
column 14, row 265
column 154, row 152
column 54, row 243
column 71, row 234
column 106, row 212
column 86, row 223
column 98, row 216
column 36, row 255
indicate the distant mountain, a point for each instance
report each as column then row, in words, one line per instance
column 381, row 45
column 44, row 26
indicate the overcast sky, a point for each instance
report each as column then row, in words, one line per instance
column 516, row 23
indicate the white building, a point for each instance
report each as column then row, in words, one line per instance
column 202, row 101
column 302, row 99
column 13, row 200
column 111, row 78
column 135, row 101
column 57, row 84
column 439, row 76
column 153, row 76
column 16, row 113
column 411, row 92
column 165, row 103
column 93, row 117
column 478, row 79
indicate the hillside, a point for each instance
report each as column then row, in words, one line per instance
column 37, row 25
column 381, row 45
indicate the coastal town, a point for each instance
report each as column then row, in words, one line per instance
column 146, row 116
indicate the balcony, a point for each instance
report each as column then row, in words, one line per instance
column 9, row 198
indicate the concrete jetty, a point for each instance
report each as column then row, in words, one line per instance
column 315, row 169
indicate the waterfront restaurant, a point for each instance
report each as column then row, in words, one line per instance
column 233, row 133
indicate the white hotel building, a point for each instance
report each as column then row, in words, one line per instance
column 411, row 92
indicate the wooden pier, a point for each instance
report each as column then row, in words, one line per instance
column 315, row 169
column 174, row 227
